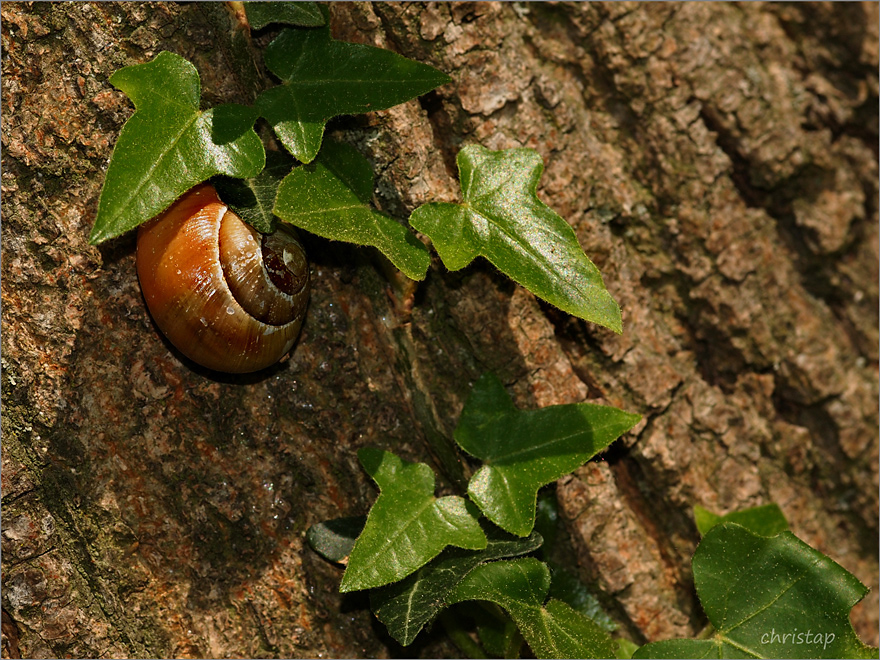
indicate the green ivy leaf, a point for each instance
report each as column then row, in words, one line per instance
column 525, row 449
column 323, row 78
column 520, row 586
column 334, row 539
column 254, row 198
column 502, row 219
column 407, row 526
column 766, row 520
column 261, row 14
column 407, row 606
column 769, row 597
column 331, row 198
column 169, row 145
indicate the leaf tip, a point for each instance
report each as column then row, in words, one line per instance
column 345, row 587
column 99, row 233
column 95, row 238
column 633, row 419
column 612, row 318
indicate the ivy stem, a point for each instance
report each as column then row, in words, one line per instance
column 237, row 8
column 706, row 632
column 460, row 636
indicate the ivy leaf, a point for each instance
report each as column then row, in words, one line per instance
column 323, row 78
column 169, row 145
column 334, row 539
column 769, row 597
column 254, row 198
column 407, row 606
column 502, row 219
column 407, row 526
column 766, row 520
column 520, row 586
column 261, row 14
column 524, row 449
column 331, row 198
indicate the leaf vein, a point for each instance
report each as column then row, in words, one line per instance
column 503, row 459
column 778, row 596
column 156, row 163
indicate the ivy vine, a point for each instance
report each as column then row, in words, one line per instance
column 765, row 593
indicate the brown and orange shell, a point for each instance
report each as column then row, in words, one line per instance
column 226, row 296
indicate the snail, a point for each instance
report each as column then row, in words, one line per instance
column 225, row 296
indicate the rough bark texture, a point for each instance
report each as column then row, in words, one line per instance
column 718, row 163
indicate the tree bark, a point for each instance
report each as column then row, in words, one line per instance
column 718, row 162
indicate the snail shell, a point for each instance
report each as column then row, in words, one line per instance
column 227, row 297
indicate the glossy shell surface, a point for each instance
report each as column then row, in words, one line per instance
column 227, row 297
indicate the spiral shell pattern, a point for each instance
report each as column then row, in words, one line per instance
column 227, row 297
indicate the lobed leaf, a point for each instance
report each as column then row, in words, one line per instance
column 169, row 145
column 523, row 450
column 323, row 78
column 261, row 14
column 502, row 219
column 406, row 607
column 407, row 526
column 769, row 597
column 766, row 520
column 520, row 586
column 330, row 198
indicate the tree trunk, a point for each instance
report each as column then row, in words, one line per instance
column 718, row 163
